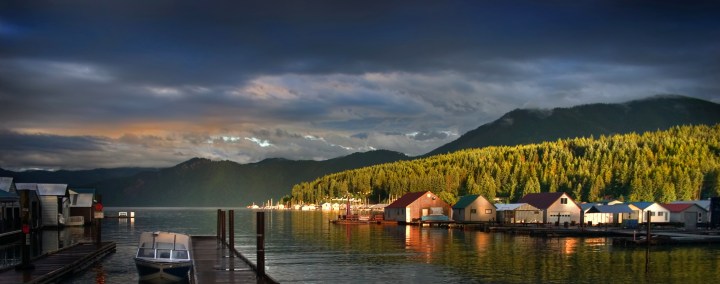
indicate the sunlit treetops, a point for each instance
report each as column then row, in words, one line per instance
column 682, row 163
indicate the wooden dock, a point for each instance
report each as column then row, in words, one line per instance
column 216, row 262
column 55, row 266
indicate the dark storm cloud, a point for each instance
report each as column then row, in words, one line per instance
column 244, row 80
column 210, row 44
column 11, row 141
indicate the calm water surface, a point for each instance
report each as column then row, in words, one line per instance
column 304, row 247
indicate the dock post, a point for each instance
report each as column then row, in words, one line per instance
column 260, row 220
column 25, row 219
column 222, row 226
column 231, row 231
column 217, row 225
column 98, row 220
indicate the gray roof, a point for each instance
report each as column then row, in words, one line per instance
column 615, row 208
column 81, row 200
column 587, row 206
column 47, row 189
column 513, row 206
column 82, row 190
column 6, row 183
column 26, row 186
column 642, row 205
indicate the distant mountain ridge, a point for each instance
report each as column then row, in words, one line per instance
column 202, row 182
column 526, row 126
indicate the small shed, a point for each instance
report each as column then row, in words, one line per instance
column 34, row 204
column 556, row 206
column 82, row 202
column 415, row 205
column 512, row 213
column 689, row 214
column 658, row 214
column 474, row 208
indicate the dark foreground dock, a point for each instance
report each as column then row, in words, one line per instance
column 55, row 266
column 216, row 262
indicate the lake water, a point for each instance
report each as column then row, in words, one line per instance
column 304, row 247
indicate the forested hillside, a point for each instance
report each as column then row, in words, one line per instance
column 528, row 126
column 680, row 163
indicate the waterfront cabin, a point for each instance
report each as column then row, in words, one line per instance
column 705, row 204
column 518, row 213
column 414, row 206
column 557, row 207
column 658, row 214
column 689, row 214
column 54, row 202
column 34, row 204
column 326, row 206
column 609, row 214
column 474, row 208
column 82, row 206
column 9, row 206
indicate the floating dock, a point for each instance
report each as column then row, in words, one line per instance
column 55, row 266
column 214, row 261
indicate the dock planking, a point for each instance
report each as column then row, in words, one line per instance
column 216, row 262
column 57, row 265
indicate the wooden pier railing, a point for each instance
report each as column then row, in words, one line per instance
column 215, row 259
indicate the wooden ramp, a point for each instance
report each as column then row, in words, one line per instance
column 54, row 266
column 216, row 262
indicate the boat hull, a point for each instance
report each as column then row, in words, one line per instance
column 163, row 272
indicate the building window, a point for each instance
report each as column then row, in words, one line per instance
column 563, row 200
column 488, row 211
column 652, row 213
column 660, row 213
column 537, row 212
column 473, row 211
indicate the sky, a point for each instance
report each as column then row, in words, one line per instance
column 104, row 84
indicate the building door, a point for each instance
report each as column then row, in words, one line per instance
column 690, row 220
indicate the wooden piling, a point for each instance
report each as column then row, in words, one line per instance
column 260, row 219
column 217, row 225
column 222, row 225
column 26, row 230
column 231, row 229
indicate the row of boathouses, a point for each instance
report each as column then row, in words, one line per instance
column 49, row 204
column 550, row 207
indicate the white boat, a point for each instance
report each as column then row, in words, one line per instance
column 163, row 257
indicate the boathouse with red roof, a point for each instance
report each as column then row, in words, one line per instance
column 414, row 205
column 689, row 214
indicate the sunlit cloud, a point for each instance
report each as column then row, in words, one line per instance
column 259, row 142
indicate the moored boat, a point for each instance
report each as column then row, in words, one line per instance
column 163, row 257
